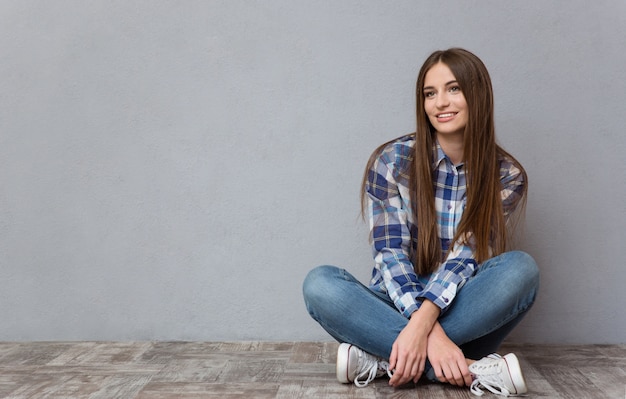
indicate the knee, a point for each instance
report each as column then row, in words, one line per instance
column 316, row 282
column 525, row 269
column 527, row 264
column 321, row 290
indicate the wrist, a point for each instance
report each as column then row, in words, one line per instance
column 437, row 332
column 425, row 317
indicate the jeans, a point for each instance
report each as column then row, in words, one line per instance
column 485, row 310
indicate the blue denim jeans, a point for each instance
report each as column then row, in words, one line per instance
column 490, row 304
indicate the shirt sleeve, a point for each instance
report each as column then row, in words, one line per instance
column 391, row 239
column 513, row 183
column 451, row 276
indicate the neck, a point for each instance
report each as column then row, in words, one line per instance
column 452, row 146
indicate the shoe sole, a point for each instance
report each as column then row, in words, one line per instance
column 518, row 379
column 343, row 358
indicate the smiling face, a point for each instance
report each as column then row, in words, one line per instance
column 444, row 102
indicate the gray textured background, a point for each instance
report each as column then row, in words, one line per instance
column 172, row 169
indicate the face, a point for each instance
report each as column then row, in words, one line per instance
column 444, row 103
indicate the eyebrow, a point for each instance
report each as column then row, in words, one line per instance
column 447, row 84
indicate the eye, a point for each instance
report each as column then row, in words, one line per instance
column 454, row 89
column 429, row 93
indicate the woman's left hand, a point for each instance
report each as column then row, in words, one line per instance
column 408, row 355
column 409, row 351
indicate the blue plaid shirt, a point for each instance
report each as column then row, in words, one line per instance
column 393, row 230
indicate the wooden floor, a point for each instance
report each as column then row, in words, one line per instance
column 288, row 370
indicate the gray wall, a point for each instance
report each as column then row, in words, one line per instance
column 172, row 169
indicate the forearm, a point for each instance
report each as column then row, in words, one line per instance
column 425, row 318
column 437, row 331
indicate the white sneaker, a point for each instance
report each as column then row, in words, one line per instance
column 358, row 366
column 500, row 375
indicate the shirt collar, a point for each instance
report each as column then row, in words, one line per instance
column 439, row 156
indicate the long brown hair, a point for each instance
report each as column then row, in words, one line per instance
column 483, row 224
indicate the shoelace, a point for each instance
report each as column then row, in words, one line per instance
column 370, row 367
column 479, row 392
column 489, row 378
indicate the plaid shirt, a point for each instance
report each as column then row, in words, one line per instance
column 393, row 230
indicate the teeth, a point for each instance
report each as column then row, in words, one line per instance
column 445, row 115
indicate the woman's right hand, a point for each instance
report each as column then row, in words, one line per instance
column 447, row 359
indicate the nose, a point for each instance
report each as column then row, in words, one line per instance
column 442, row 100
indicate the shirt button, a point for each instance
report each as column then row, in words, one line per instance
column 449, row 206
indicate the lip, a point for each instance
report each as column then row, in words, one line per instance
column 445, row 116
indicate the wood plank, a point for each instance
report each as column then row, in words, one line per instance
column 284, row 370
column 184, row 390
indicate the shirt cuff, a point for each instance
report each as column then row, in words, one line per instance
column 445, row 297
column 408, row 303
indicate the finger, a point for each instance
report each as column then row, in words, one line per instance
column 462, row 375
column 411, row 369
column 467, row 376
column 403, row 370
column 457, row 377
column 398, row 372
column 393, row 357
column 416, row 372
column 407, row 375
column 446, row 374
column 402, row 377
column 437, row 369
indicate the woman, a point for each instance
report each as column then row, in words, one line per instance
column 444, row 291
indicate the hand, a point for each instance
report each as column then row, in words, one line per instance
column 408, row 355
column 409, row 351
column 447, row 359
